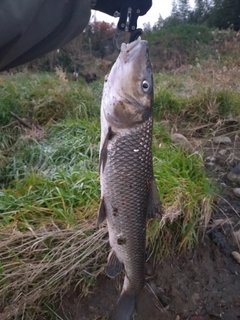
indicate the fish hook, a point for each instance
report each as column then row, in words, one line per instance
column 115, row 40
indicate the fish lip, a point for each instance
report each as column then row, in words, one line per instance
column 129, row 50
column 130, row 46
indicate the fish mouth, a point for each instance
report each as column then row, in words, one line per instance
column 131, row 45
column 135, row 50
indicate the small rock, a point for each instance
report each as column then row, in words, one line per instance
column 220, row 139
column 222, row 152
column 180, row 140
column 236, row 169
column 210, row 161
column 223, row 184
column 236, row 256
column 237, row 236
column 234, row 175
column 198, row 66
column 236, row 191
column 196, row 297
column 225, row 69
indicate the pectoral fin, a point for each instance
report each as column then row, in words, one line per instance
column 102, row 214
column 114, row 266
column 103, row 152
column 154, row 204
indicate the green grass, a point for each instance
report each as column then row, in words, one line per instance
column 49, row 179
column 186, row 194
column 50, row 191
column 45, row 98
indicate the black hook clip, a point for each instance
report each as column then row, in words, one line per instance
column 128, row 15
column 133, row 36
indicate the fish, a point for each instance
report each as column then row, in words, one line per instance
column 129, row 194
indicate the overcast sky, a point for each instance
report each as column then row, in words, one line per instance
column 162, row 7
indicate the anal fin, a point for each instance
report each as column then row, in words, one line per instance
column 154, row 204
column 114, row 266
column 102, row 214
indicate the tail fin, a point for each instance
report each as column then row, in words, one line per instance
column 124, row 308
column 149, row 307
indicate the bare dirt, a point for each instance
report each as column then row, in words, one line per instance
column 203, row 284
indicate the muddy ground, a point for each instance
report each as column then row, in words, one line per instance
column 203, row 284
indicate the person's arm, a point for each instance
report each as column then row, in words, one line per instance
column 30, row 28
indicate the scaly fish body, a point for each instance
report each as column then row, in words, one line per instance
column 128, row 190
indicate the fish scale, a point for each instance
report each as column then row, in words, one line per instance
column 125, row 187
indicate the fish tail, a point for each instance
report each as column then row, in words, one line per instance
column 124, row 308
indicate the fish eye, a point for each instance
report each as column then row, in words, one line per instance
column 145, row 86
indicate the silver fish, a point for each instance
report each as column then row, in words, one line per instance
column 129, row 194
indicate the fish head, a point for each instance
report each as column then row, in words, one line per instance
column 128, row 89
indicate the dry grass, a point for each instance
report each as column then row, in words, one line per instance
column 39, row 265
column 203, row 102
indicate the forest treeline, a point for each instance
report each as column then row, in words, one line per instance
column 222, row 14
column 179, row 35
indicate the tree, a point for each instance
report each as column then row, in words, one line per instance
column 201, row 12
column 147, row 27
column 159, row 24
column 225, row 14
column 184, row 9
column 175, row 11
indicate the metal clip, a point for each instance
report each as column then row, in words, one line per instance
column 129, row 15
column 115, row 40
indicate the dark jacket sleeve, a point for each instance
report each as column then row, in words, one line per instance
column 30, row 28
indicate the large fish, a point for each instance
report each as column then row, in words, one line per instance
column 129, row 194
